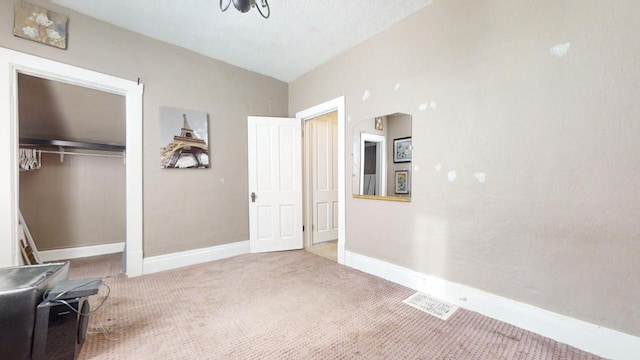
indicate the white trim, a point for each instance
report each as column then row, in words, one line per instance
column 12, row 63
column 81, row 251
column 336, row 104
column 191, row 257
column 134, row 180
column 589, row 337
column 307, row 188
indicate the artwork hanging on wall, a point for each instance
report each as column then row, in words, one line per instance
column 402, row 150
column 378, row 123
column 402, row 181
column 40, row 25
column 184, row 137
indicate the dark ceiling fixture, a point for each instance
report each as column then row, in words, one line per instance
column 246, row 5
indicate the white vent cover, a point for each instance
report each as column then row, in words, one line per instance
column 431, row 305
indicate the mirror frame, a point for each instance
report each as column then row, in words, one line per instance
column 365, row 133
column 385, row 198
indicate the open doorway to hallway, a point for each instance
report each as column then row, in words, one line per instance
column 321, row 185
column 336, row 105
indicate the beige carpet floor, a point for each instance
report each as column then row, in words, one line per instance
column 95, row 266
column 291, row 305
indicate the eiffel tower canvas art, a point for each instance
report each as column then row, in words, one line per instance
column 184, row 136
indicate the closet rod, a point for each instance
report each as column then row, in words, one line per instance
column 79, row 153
column 70, row 144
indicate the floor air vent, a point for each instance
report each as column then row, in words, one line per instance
column 431, row 305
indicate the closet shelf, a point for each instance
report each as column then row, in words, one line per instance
column 70, row 144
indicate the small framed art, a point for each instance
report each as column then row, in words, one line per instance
column 402, row 182
column 41, row 25
column 378, row 123
column 402, row 150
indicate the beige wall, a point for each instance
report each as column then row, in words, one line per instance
column 78, row 202
column 55, row 110
column 183, row 209
column 555, row 224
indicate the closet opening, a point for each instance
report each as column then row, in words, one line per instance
column 72, row 172
column 13, row 64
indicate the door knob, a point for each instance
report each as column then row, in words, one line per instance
column 253, row 197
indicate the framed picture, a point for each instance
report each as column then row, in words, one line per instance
column 41, row 25
column 402, row 150
column 378, row 123
column 402, row 181
column 184, row 137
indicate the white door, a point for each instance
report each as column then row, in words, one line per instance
column 275, row 184
column 324, row 171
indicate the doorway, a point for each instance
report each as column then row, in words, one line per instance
column 72, row 198
column 321, row 185
column 336, row 107
column 13, row 63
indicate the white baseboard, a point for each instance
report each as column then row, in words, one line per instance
column 589, row 337
column 80, row 251
column 191, row 257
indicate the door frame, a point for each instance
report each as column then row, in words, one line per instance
column 11, row 64
column 337, row 104
column 381, row 162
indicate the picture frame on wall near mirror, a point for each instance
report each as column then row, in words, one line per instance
column 378, row 123
column 402, row 182
column 402, row 150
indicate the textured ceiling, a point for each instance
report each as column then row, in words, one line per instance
column 299, row 36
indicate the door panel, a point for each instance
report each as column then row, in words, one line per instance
column 265, row 219
column 275, row 170
column 323, row 214
column 287, row 225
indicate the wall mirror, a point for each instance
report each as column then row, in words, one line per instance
column 382, row 158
